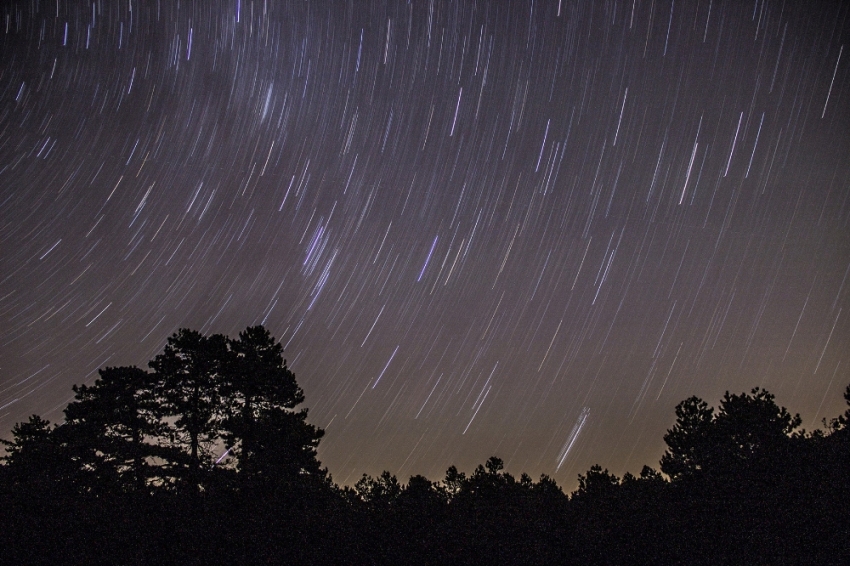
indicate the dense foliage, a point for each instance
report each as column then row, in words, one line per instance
column 207, row 458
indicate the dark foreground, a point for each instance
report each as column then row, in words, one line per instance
column 797, row 515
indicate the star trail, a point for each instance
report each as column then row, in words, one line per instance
column 524, row 229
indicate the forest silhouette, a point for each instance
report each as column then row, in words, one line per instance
column 207, row 458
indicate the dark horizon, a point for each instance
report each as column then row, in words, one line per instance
column 526, row 231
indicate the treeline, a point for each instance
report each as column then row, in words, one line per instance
column 207, row 458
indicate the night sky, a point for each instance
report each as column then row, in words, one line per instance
column 520, row 229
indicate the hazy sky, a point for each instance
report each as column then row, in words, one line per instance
column 520, row 229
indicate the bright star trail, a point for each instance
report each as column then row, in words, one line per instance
column 521, row 229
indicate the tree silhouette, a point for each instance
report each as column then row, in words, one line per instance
column 596, row 483
column 689, row 441
column 380, row 492
column 454, row 481
column 489, row 482
column 422, row 494
column 117, row 420
column 751, row 428
column 746, row 428
column 267, row 436
column 33, row 454
column 284, row 449
column 842, row 422
column 189, row 372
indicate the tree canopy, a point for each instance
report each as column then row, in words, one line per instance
column 746, row 429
